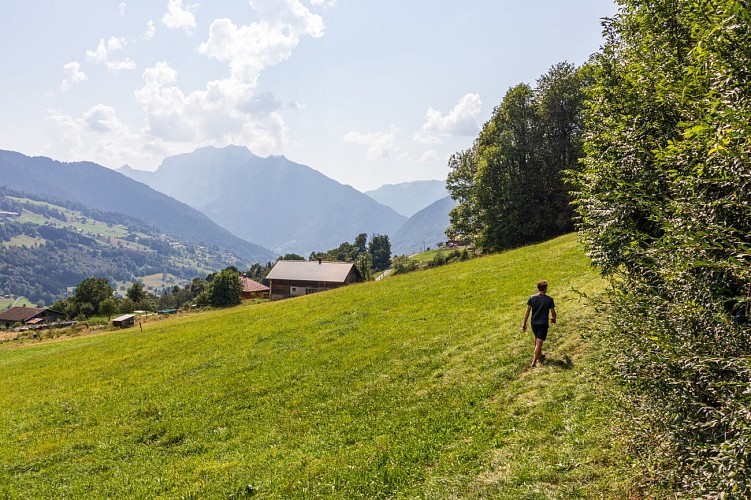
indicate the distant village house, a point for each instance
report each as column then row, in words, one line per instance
column 293, row 278
column 253, row 289
column 29, row 316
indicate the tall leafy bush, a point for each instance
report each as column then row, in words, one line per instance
column 664, row 205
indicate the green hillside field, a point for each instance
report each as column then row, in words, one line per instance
column 413, row 387
column 11, row 301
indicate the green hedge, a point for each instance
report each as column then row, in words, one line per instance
column 664, row 202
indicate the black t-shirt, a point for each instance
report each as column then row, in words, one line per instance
column 541, row 305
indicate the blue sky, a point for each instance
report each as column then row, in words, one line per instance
column 367, row 92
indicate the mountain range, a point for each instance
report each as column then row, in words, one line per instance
column 408, row 198
column 424, row 229
column 100, row 188
column 275, row 202
column 229, row 197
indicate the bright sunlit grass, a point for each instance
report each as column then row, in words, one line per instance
column 428, row 255
column 414, row 386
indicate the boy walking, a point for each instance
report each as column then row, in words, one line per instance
column 539, row 305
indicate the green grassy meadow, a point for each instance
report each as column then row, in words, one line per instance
column 427, row 256
column 411, row 387
column 17, row 301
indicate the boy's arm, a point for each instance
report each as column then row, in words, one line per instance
column 526, row 317
column 552, row 315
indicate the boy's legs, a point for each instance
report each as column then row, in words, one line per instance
column 537, row 351
column 541, row 333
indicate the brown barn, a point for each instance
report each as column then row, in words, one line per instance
column 253, row 289
column 292, row 278
column 29, row 315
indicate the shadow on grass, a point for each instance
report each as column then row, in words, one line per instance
column 563, row 364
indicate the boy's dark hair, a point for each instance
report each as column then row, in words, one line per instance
column 542, row 285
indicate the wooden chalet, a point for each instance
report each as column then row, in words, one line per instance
column 29, row 316
column 253, row 289
column 293, row 278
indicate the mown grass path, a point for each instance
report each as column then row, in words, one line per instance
column 412, row 387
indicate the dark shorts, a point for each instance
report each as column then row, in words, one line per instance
column 540, row 331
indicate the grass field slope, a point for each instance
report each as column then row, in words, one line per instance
column 411, row 387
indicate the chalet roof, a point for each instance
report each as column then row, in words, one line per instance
column 301, row 270
column 250, row 285
column 20, row 314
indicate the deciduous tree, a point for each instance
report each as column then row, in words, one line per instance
column 380, row 251
column 225, row 289
column 510, row 185
column 89, row 294
column 136, row 292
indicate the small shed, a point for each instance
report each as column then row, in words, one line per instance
column 292, row 278
column 253, row 289
column 124, row 321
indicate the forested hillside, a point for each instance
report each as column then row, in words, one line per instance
column 52, row 245
column 100, row 188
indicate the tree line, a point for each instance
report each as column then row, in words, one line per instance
column 96, row 296
column 367, row 256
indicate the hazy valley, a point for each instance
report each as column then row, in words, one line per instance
column 198, row 213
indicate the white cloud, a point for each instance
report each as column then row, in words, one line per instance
column 249, row 49
column 323, row 3
column 225, row 111
column 161, row 73
column 179, row 16
column 164, row 105
column 150, row 30
column 73, row 75
column 102, row 51
column 115, row 43
column 101, row 55
column 462, row 121
column 121, row 8
column 98, row 135
column 101, row 119
column 124, row 64
column 430, row 157
column 379, row 145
